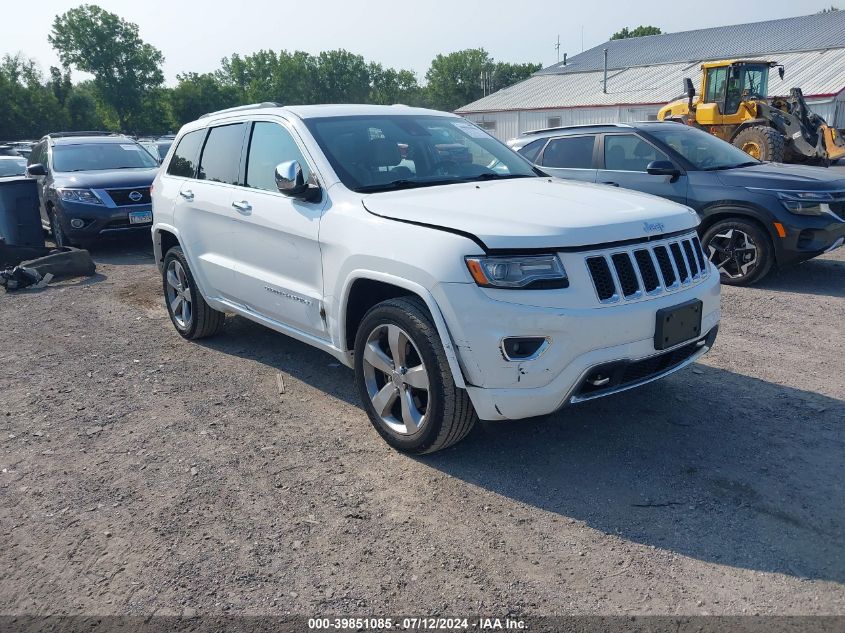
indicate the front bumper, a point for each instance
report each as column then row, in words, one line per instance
column 808, row 237
column 581, row 340
column 100, row 221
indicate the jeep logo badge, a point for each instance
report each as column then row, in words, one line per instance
column 135, row 196
column 651, row 227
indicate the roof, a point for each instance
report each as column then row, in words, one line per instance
column 803, row 33
column 817, row 73
column 324, row 110
column 80, row 140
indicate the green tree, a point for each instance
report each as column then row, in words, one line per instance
column 28, row 107
column 125, row 68
column 640, row 31
column 342, row 77
column 454, row 80
column 83, row 110
column 196, row 94
column 831, row 9
column 505, row 75
column 388, row 86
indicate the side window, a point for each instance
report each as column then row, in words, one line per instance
column 716, row 78
column 221, row 156
column 270, row 145
column 628, row 152
column 184, row 161
column 531, row 150
column 572, row 152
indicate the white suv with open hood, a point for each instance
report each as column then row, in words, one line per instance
column 456, row 280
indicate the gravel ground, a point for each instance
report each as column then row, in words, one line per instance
column 144, row 474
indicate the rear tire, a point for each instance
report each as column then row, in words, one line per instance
column 192, row 317
column 403, row 378
column 763, row 143
column 740, row 249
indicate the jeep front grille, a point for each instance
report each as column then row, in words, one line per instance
column 647, row 269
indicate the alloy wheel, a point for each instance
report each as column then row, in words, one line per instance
column 179, row 294
column 396, row 379
column 734, row 253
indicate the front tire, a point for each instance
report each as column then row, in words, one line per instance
column 403, row 378
column 59, row 236
column 192, row 317
column 762, row 143
column 740, row 250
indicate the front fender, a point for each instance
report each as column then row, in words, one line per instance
column 415, row 288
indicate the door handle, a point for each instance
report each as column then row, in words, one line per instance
column 243, row 206
column 612, row 184
column 187, row 194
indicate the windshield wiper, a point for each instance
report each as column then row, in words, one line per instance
column 494, row 176
column 404, row 184
column 749, row 163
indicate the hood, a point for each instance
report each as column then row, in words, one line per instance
column 106, row 179
column 528, row 213
column 780, row 176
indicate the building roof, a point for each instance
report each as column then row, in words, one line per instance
column 803, row 33
column 817, row 73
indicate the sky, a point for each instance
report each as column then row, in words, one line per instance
column 194, row 36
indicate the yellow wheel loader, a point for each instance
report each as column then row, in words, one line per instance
column 734, row 105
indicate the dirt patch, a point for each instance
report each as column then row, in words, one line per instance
column 140, row 473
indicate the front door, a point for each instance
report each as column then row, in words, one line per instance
column 625, row 159
column 275, row 238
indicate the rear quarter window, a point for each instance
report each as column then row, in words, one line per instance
column 184, row 161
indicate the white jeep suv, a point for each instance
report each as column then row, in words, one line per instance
column 457, row 281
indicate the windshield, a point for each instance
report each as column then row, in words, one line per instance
column 380, row 153
column 12, row 167
column 101, row 156
column 704, row 151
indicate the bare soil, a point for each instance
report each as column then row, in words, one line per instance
column 145, row 474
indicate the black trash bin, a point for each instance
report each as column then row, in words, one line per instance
column 20, row 217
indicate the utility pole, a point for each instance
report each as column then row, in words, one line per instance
column 557, row 48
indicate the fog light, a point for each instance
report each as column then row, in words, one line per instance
column 77, row 223
column 524, row 347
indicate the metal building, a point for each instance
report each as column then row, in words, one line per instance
column 646, row 72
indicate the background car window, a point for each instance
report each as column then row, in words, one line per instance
column 572, row 152
column 221, row 156
column 270, row 145
column 184, row 161
column 531, row 150
column 11, row 166
column 101, row 156
column 627, row 152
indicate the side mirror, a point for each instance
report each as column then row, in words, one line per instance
column 662, row 168
column 290, row 179
column 689, row 89
column 36, row 169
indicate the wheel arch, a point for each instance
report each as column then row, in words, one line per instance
column 165, row 237
column 364, row 289
column 716, row 213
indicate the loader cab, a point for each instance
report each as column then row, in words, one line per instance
column 726, row 85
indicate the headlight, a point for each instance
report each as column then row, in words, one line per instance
column 802, row 202
column 79, row 195
column 522, row 272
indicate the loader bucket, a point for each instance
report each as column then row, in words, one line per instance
column 834, row 144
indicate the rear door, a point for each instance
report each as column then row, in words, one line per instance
column 571, row 157
column 624, row 159
column 39, row 155
column 204, row 212
column 275, row 238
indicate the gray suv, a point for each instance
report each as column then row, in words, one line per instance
column 754, row 215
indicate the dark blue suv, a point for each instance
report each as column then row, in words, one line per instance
column 754, row 215
column 92, row 185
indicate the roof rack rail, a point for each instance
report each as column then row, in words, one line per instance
column 83, row 133
column 251, row 106
column 570, row 127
